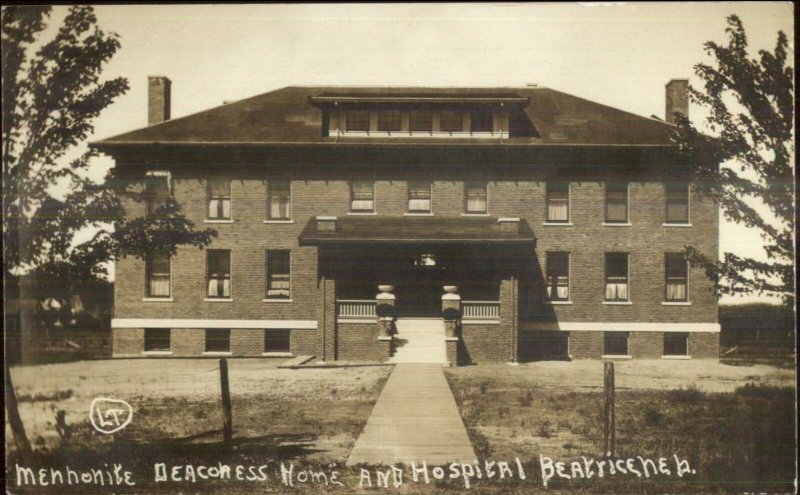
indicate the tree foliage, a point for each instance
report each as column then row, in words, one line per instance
column 52, row 93
column 750, row 105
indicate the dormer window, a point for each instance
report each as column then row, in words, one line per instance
column 358, row 121
column 389, row 120
column 451, row 121
column 419, row 121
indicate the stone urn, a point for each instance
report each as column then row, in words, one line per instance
column 386, row 288
column 450, row 289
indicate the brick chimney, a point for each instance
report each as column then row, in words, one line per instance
column 158, row 99
column 677, row 100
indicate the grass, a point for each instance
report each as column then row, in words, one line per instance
column 737, row 441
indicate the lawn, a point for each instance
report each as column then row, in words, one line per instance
column 735, row 425
column 308, row 415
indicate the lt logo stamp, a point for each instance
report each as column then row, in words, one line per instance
column 110, row 415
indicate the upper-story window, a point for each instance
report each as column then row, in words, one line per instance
column 157, row 275
column 676, row 273
column 219, row 199
column 475, row 197
column 558, row 202
column 557, row 276
column 616, row 202
column 362, row 196
column 389, row 120
column 451, row 121
column 677, row 202
column 358, row 120
column 279, row 200
column 419, row 196
column 481, row 121
column 420, row 121
column 218, row 267
column 617, row 277
column 156, row 191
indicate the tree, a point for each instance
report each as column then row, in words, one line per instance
column 52, row 92
column 750, row 104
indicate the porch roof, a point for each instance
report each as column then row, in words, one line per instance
column 411, row 230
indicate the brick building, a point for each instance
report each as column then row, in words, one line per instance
column 464, row 225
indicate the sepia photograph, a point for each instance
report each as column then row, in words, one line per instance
column 417, row 248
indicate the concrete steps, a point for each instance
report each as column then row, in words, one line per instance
column 419, row 340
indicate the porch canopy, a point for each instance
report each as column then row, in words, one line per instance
column 351, row 230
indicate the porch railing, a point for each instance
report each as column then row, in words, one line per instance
column 355, row 308
column 480, row 310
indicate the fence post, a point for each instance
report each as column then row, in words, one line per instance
column 609, row 418
column 227, row 419
column 14, row 420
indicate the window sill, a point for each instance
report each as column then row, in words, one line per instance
column 418, row 214
column 218, row 299
column 157, row 299
column 616, row 224
column 217, row 353
column 616, row 356
column 676, row 224
column 277, row 354
column 278, row 221
column 676, row 303
column 617, row 303
column 558, row 224
column 475, row 214
column 558, row 303
column 362, row 213
column 267, row 300
column 678, row 356
column 157, row 353
column 210, row 220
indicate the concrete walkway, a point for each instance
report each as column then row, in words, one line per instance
column 415, row 419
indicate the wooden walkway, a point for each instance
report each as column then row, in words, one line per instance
column 415, row 419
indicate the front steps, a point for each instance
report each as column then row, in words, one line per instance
column 419, row 340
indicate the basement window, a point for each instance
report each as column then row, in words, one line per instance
column 276, row 340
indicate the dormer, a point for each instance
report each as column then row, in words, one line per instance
column 439, row 116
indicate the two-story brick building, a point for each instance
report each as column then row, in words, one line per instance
column 461, row 225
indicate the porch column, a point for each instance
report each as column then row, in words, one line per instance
column 327, row 319
column 384, row 309
column 451, row 311
column 509, row 307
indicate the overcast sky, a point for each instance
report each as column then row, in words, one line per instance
column 621, row 55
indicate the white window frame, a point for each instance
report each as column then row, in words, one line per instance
column 217, row 353
column 230, row 267
column 688, row 354
column 546, row 299
column 665, row 302
column 208, row 197
column 374, row 199
column 169, row 298
column 627, row 346
column 266, row 278
column 613, row 302
column 549, row 222
column 408, row 212
column 688, row 222
column 156, row 353
column 291, row 203
column 466, row 213
column 265, row 352
column 627, row 223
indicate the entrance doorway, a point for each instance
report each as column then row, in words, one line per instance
column 419, row 286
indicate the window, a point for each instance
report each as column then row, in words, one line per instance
column 278, row 274
column 156, row 340
column 362, row 196
column 558, row 276
column 219, row 273
column 676, row 277
column 389, row 120
column 419, row 196
column 279, row 200
column 482, row 121
column 677, row 203
column 157, row 272
column 558, row 202
column 616, row 202
column 451, row 121
column 616, row 276
column 276, row 340
column 475, row 197
column 615, row 343
column 420, row 121
column 156, row 191
column 218, row 340
column 219, row 199
column 676, row 344
column 358, row 121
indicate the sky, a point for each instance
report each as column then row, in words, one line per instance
column 618, row 54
